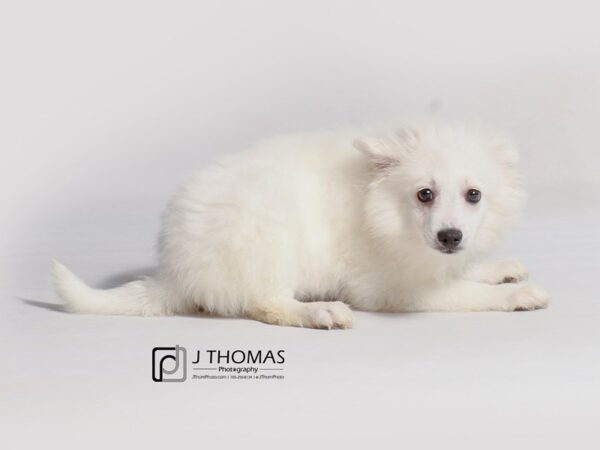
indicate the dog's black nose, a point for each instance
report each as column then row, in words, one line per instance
column 450, row 237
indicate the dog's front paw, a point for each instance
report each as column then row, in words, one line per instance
column 528, row 298
column 511, row 272
column 328, row 315
column 506, row 272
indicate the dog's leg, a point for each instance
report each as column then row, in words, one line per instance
column 466, row 295
column 290, row 312
column 498, row 272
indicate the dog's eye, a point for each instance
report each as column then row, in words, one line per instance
column 425, row 195
column 473, row 196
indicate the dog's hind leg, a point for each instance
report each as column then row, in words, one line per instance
column 291, row 312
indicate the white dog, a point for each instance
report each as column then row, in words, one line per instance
column 299, row 228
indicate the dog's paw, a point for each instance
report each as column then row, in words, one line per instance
column 511, row 272
column 528, row 298
column 328, row 315
column 502, row 272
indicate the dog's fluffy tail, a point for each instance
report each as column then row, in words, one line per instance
column 135, row 298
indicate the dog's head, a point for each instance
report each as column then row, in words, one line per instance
column 453, row 189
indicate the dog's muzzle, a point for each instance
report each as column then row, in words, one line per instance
column 450, row 239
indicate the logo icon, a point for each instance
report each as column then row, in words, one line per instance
column 169, row 364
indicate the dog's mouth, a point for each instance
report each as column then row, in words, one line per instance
column 436, row 245
column 448, row 251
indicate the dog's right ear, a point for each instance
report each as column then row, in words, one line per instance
column 379, row 150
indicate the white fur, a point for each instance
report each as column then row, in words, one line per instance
column 279, row 232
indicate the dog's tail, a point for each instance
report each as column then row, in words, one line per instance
column 137, row 298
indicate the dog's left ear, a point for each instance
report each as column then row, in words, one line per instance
column 510, row 153
column 379, row 150
column 387, row 151
column 506, row 151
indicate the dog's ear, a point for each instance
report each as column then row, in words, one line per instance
column 386, row 151
column 379, row 150
column 506, row 151
column 510, row 154
column 408, row 137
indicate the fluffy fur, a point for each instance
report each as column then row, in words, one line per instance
column 298, row 228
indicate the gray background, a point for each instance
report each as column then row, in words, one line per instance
column 106, row 107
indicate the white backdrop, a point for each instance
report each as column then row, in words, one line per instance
column 106, row 107
column 104, row 98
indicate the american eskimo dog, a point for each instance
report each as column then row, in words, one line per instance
column 299, row 229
